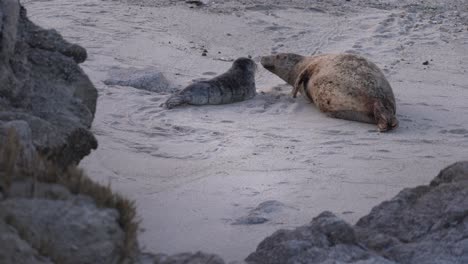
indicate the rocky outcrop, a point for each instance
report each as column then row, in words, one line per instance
column 66, row 231
column 264, row 212
column 327, row 239
column 53, row 215
column 15, row 250
column 50, row 212
column 149, row 79
column 43, row 85
column 425, row 224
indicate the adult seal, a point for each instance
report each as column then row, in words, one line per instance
column 235, row 85
column 344, row 86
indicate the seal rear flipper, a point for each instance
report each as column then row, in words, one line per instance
column 384, row 118
column 174, row 101
column 352, row 116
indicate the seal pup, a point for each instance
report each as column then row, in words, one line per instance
column 235, row 85
column 345, row 86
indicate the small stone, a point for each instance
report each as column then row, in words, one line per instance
column 195, row 2
column 426, row 63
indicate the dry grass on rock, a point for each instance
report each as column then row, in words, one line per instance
column 74, row 179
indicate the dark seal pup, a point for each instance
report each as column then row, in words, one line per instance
column 235, row 85
column 345, row 86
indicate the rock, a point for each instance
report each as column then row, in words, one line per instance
column 426, row 224
column 457, row 172
column 147, row 79
column 261, row 214
column 27, row 188
column 71, row 231
column 15, row 250
column 197, row 2
column 43, row 86
column 23, row 135
column 327, row 239
column 250, row 220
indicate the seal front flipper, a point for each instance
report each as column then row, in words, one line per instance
column 301, row 85
column 384, row 118
column 175, row 100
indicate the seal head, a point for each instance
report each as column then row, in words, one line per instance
column 244, row 64
column 281, row 64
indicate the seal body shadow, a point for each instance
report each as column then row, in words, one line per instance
column 235, row 85
column 345, row 86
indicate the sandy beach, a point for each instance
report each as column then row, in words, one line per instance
column 193, row 171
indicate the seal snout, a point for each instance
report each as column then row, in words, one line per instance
column 267, row 63
column 269, row 67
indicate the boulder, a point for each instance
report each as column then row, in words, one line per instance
column 264, row 212
column 43, row 85
column 15, row 250
column 66, row 231
column 426, row 224
column 327, row 239
column 149, row 79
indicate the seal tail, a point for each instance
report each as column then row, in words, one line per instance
column 385, row 119
column 174, row 101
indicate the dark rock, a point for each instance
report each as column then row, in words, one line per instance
column 43, row 86
column 71, row 231
column 425, row 63
column 250, row 220
column 261, row 214
column 327, row 239
column 456, row 172
column 196, row 2
column 147, row 79
column 13, row 249
column 426, row 224
column 27, row 188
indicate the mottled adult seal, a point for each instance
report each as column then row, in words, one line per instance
column 345, row 86
column 235, row 85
